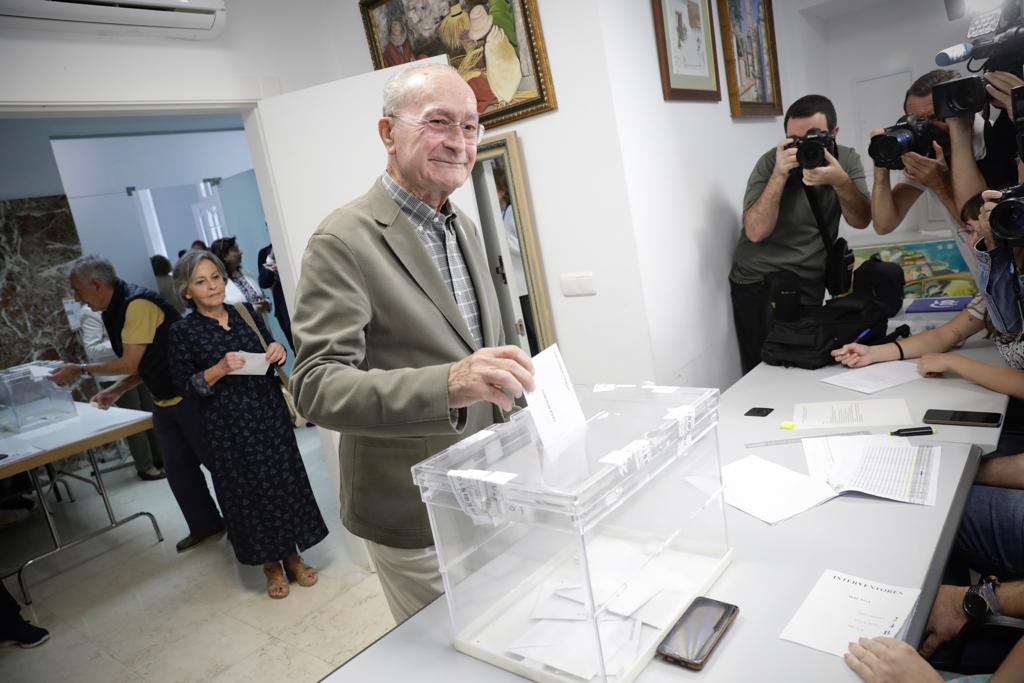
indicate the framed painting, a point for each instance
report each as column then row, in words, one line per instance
column 686, row 50
column 751, row 63
column 497, row 46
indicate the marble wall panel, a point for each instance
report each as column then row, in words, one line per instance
column 37, row 243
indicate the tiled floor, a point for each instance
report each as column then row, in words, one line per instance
column 123, row 607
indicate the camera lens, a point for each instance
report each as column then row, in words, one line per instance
column 966, row 98
column 1007, row 220
column 811, row 155
column 885, row 149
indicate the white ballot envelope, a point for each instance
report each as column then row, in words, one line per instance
column 255, row 364
column 553, row 403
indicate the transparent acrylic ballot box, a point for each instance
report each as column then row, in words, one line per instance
column 28, row 399
column 571, row 564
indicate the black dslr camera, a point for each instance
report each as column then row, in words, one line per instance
column 910, row 134
column 995, row 35
column 810, row 149
column 959, row 96
column 1007, row 218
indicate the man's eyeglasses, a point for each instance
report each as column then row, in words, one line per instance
column 472, row 131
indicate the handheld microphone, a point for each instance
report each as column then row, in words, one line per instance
column 954, row 54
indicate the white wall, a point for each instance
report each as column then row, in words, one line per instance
column 29, row 169
column 174, row 211
column 576, row 183
column 96, row 171
column 267, row 47
column 686, row 167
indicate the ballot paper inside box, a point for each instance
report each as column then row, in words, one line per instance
column 572, row 563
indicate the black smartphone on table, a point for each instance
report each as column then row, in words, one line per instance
column 694, row 637
column 963, row 418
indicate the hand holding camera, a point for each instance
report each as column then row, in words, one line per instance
column 931, row 171
column 785, row 158
column 998, row 86
column 829, row 174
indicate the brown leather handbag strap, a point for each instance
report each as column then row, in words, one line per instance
column 244, row 312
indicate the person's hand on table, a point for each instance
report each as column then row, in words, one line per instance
column 106, row 398
column 935, row 364
column 946, row 619
column 855, row 355
column 887, row 660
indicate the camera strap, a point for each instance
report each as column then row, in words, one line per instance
column 818, row 218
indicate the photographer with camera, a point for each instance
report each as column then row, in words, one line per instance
column 918, row 145
column 781, row 235
column 984, row 152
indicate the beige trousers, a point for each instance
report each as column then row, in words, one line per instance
column 409, row 577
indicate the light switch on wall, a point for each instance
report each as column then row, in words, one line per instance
column 578, row 284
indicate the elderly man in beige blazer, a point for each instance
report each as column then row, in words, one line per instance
column 397, row 330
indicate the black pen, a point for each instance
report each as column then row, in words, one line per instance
column 913, row 431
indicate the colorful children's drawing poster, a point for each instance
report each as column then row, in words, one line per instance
column 929, row 268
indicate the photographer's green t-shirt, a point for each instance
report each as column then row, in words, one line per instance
column 795, row 244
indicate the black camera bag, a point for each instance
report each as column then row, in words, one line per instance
column 881, row 281
column 808, row 342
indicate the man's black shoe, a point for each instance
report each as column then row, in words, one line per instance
column 25, row 635
column 146, row 476
column 192, row 541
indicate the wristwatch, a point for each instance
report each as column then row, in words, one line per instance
column 980, row 599
column 82, row 369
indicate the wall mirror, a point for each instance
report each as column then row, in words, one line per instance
column 513, row 250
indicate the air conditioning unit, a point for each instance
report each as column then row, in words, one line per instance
column 186, row 19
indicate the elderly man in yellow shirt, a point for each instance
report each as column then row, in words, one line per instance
column 137, row 321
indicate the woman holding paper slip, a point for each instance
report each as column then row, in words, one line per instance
column 261, row 483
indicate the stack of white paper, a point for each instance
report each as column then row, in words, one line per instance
column 771, row 492
column 887, row 411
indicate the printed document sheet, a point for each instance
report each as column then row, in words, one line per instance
column 886, row 411
column 255, row 364
column 842, row 608
column 876, row 377
column 556, row 410
column 884, row 466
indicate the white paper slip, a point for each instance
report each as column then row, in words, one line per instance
column 884, row 411
column 771, row 492
column 876, row 377
column 842, row 608
column 39, row 372
column 255, row 364
column 553, row 404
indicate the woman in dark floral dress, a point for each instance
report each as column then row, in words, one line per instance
column 261, row 483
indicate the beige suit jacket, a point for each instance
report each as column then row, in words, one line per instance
column 376, row 330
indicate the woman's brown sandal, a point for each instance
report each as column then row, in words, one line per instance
column 277, row 582
column 300, row 572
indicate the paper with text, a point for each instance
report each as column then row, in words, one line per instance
column 879, row 465
column 553, row 404
column 877, row 377
column 842, row 608
column 885, row 411
column 770, row 492
column 255, row 364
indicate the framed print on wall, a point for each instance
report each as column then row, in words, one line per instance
column 686, row 50
column 497, row 46
column 751, row 63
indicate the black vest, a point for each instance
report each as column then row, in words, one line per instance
column 155, row 366
column 999, row 166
